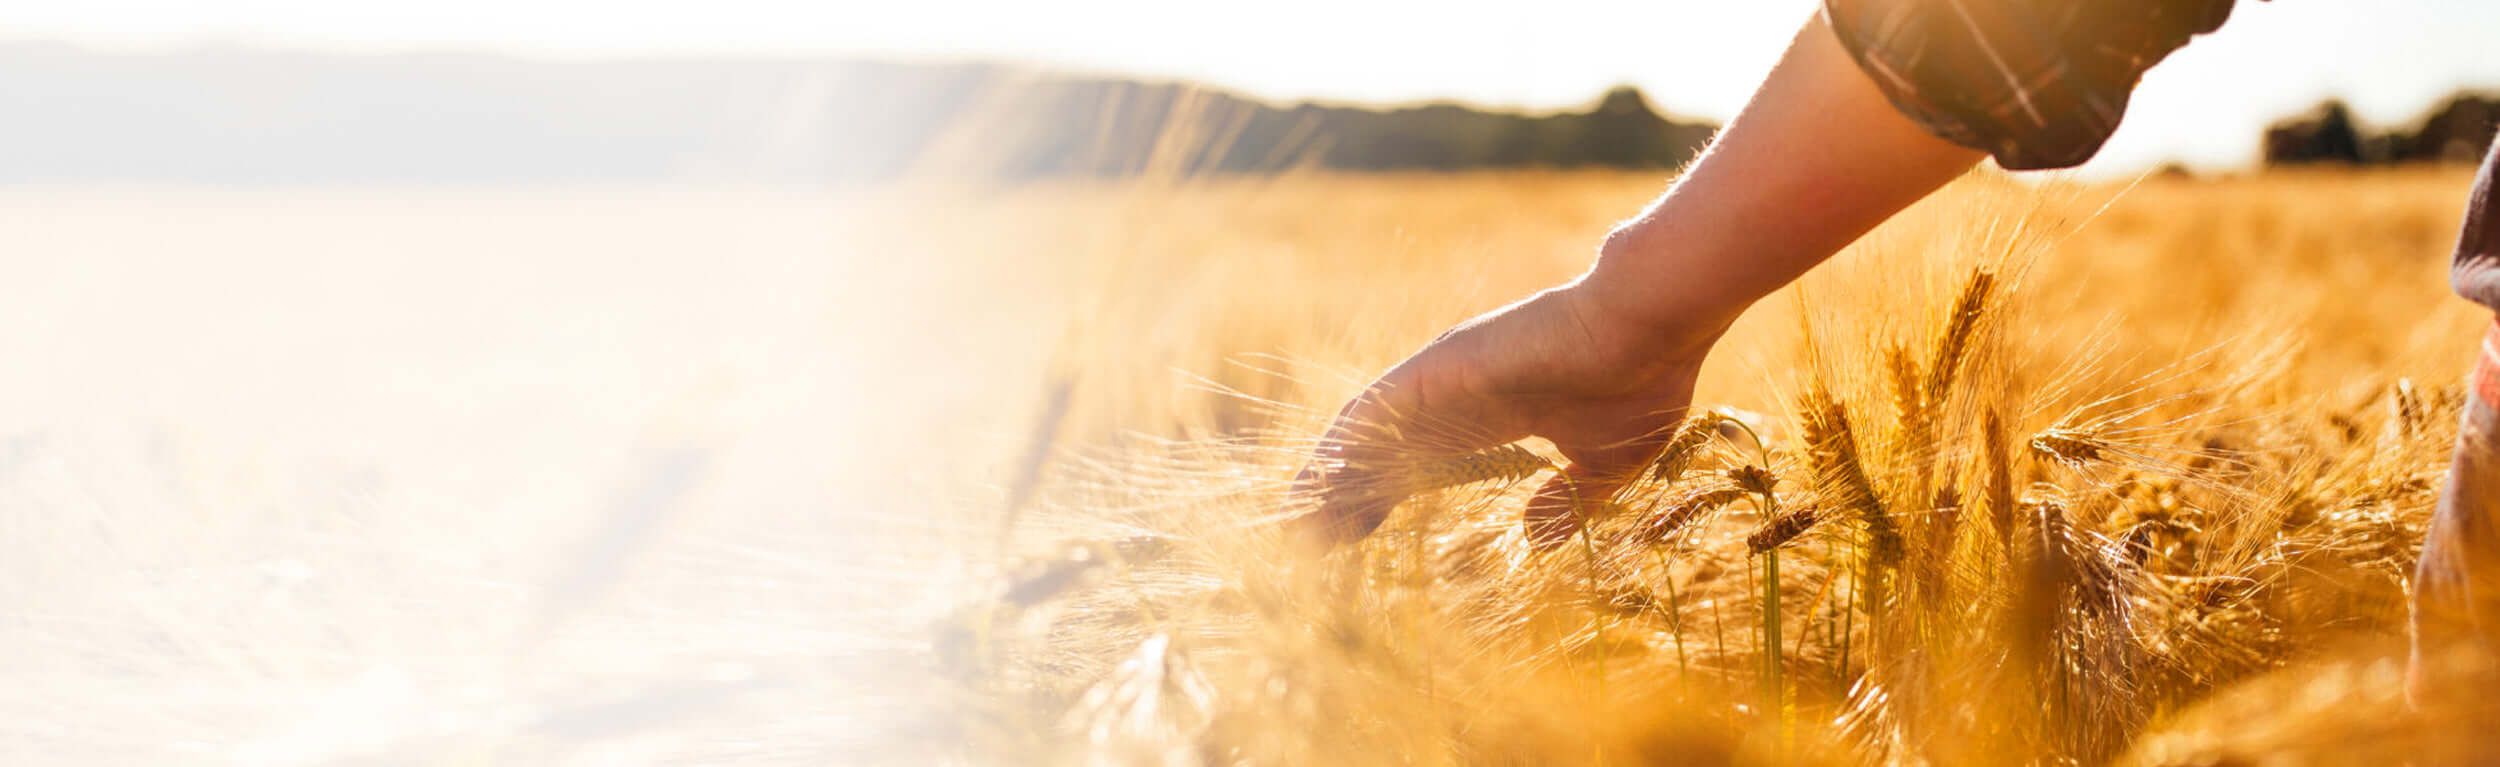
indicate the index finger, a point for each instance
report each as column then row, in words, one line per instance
column 1345, row 472
column 1362, row 467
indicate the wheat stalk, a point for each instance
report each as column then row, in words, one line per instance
column 1841, row 478
column 2410, row 416
column 2069, row 445
column 1953, row 342
column 1782, row 529
column 1678, row 454
column 1684, row 511
column 1507, row 463
column 1909, row 396
column 1753, row 479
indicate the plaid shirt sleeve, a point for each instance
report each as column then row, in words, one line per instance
column 2037, row 83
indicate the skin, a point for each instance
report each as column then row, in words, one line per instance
column 1603, row 366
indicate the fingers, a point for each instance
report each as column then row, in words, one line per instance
column 1350, row 471
column 1349, row 504
column 1591, row 478
column 1572, row 497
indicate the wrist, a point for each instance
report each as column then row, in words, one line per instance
column 1668, row 295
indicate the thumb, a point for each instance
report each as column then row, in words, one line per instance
column 1588, row 480
column 1568, row 500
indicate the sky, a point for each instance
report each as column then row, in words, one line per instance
column 2391, row 59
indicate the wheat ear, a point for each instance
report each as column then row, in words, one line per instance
column 1840, row 477
column 1507, row 463
column 1782, row 529
column 1953, row 342
column 1686, row 445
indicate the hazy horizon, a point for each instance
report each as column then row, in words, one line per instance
column 559, row 382
column 2206, row 107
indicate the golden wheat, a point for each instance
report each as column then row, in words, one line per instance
column 1683, row 448
column 2204, row 528
column 1841, row 478
column 1782, row 529
column 2069, row 445
column 1954, row 341
column 1507, row 463
column 1684, row 511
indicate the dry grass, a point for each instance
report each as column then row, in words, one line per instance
column 616, row 478
column 2090, row 470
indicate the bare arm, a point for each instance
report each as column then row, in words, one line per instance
column 1816, row 159
column 1604, row 365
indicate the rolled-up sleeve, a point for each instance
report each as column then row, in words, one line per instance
column 2035, row 83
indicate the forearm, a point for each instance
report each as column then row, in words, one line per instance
column 1816, row 159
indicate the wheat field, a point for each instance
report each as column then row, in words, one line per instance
column 925, row 474
column 2107, row 458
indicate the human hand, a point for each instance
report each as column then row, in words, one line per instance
column 1605, row 388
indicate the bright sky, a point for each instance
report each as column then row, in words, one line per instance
column 2392, row 59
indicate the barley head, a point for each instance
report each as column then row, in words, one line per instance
column 1507, row 463
column 1684, row 511
column 1684, row 447
column 1909, row 396
column 1954, row 340
column 1782, row 529
column 1753, row 479
column 1839, row 476
column 2410, row 412
column 2070, row 446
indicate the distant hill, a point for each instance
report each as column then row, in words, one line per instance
column 237, row 115
column 249, row 116
column 2459, row 130
column 1102, row 127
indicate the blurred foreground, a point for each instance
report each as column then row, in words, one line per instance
column 594, row 476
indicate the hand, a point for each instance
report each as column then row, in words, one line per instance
column 1607, row 390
